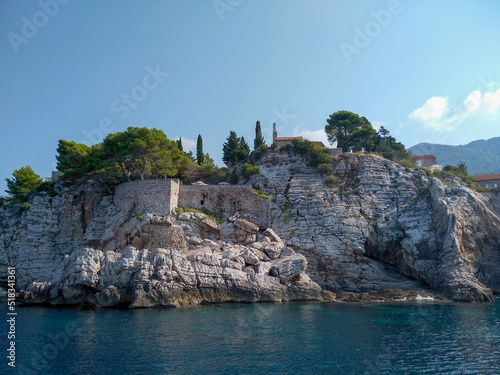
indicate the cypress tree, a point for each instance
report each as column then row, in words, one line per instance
column 259, row 139
column 179, row 144
column 199, row 150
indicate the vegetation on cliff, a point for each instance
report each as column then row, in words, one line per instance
column 142, row 153
column 355, row 133
column 460, row 171
column 24, row 181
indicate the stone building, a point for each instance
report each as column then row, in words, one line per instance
column 491, row 181
column 426, row 161
column 284, row 141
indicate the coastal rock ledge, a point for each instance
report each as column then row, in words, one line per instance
column 367, row 230
column 154, row 260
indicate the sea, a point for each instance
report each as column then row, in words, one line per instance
column 423, row 337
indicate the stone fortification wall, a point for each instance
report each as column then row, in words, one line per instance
column 226, row 200
column 157, row 197
column 160, row 197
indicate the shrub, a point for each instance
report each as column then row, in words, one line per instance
column 460, row 171
column 249, row 169
column 331, row 181
column 47, row 186
column 407, row 163
column 261, row 194
column 325, row 167
column 317, row 155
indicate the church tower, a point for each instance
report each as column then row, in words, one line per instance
column 275, row 132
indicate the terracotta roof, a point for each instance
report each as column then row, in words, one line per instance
column 286, row 138
column 319, row 143
column 486, row 177
column 418, row 157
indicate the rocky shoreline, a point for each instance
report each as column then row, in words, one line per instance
column 368, row 231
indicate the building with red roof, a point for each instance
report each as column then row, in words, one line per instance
column 491, row 181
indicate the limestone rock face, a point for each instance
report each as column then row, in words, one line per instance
column 371, row 225
column 142, row 260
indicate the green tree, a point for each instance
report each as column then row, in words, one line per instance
column 199, row 150
column 243, row 149
column 387, row 146
column 70, row 160
column 234, row 149
column 230, row 149
column 23, row 182
column 179, row 144
column 137, row 149
column 259, row 139
column 350, row 131
column 459, row 170
column 134, row 153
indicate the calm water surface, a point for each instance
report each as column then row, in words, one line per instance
column 294, row 338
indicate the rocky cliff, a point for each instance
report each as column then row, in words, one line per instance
column 373, row 225
column 368, row 230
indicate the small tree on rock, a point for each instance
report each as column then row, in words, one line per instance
column 23, row 182
column 259, row 139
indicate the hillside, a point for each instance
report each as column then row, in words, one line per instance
column 481, row 157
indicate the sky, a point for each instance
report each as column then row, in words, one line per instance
column 428, row 71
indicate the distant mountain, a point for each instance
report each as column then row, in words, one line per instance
column 481, row 157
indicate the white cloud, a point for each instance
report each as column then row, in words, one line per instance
column 313, row 135
column 378, row 124
column 431, row 112
column 187, row 144
column 490, row 101
column 476, row 110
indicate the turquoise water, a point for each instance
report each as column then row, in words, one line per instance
column 294, row 338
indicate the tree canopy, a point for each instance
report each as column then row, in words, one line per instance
column 350, row 131
column 355, row 133
column 234, row 149
column 24, row 180
column 136, row 153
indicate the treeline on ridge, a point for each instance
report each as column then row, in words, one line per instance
column 137, row 153
column 143, row 153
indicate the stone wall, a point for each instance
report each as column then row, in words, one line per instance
column 226, row 200
column 157, row 197
column 160, row 197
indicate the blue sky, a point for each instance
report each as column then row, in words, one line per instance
column 427, row 70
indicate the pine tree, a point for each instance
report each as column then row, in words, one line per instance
column 199, row 150
column 243, row 149
column 23, row 182
column 179, row 144
column 259, row 139
column 230, row 148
